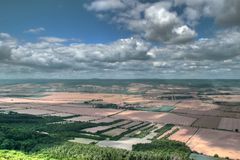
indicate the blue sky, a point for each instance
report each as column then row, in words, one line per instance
column 119, row 39
column 60, row 18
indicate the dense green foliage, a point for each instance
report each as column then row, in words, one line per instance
column 166, row 148
column 21, row 132
column 110, row 105
column 32, row 133
column 70, row 151
column 17, row 155
column 17, row 139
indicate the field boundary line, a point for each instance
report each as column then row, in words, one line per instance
column 117, row 113
column 192, row 135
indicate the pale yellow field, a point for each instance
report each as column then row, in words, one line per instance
column 196, row 105
column 115, row 132
column 34, row 111
column 184, row 134
column 123, row 144
column 78, row 97
column 96, row 129
column 84, row 111
column 211, row 142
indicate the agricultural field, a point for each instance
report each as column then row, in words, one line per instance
column 130, row 125
column 123, row 144
column 97, row 129
column 104, row 120
column 81, row 119
column 212, row 142
column 156, row 109
column 83, row 140
column 62, row 114
column 195, row 156
column 207, row 122
column 34, row 111
column 100, row 128
column 234, row 99
column 230, row 124
column 128, row 120
column 155, row 117
column 184, row 134
column 115, row 132
column 209, row 142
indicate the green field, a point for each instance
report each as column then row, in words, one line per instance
column 156, row 109
column 162, row 130
column 195, row 156
column 143, row 132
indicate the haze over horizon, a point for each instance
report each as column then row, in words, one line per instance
column 120, row 39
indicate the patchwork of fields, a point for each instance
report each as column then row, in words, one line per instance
column 207, row 124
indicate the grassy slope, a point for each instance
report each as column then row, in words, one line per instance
column 17, row 155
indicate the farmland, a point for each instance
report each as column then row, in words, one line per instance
column 131, row 120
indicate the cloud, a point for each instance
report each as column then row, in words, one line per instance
column 4, row 36
column 162, row 25
column 229, row 14
column 131, row 57
column 183, row 34
column 224, row 12
column 202, row 58
column 105, row 5
column 161, row 64
column 153, row 21
column 53, row 39
column 7, row 40
column 118, row 51
column 5, row 53
column 226, row 45
column 35, row 30
column 6, row 44
column 51, row 54
column 159, row 23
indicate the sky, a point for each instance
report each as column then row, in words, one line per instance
column 120, row 39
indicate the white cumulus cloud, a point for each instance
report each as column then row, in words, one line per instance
column 35, row 30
